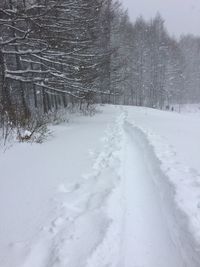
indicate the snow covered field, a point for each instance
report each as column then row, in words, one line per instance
column 120, row 189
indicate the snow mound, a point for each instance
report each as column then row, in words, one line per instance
column 186, row 180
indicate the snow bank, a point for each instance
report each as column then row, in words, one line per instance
column 166, row 132
column 62, row 194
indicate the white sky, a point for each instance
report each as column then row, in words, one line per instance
column 181, row 16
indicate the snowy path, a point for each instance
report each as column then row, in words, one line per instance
column 147, row 236
column 99, row 195
column 152, row 231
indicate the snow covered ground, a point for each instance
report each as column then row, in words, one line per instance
column 120, row 189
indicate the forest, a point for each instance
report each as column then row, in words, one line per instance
column 57, row 54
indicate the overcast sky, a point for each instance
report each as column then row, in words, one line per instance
column 181, row 16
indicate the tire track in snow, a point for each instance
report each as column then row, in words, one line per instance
column 155, row 232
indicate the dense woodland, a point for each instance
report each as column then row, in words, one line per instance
column 73, row 53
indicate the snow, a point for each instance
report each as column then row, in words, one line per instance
column 120, row 189
column 31, row 179
column 175, row 141
column 150, row 231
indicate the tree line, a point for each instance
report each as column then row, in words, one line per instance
column 162, row 70
column 58, row 54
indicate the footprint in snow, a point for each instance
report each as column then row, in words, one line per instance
column 69, row 189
